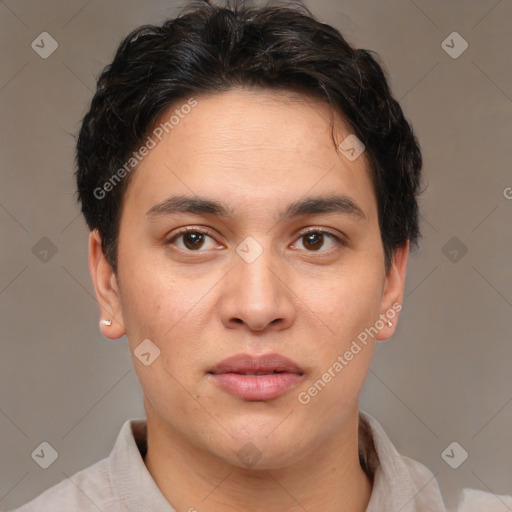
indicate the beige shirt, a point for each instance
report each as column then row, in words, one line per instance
column 122, row 483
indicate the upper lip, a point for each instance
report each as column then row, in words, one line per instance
column 268, row 363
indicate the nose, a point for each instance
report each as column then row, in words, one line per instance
column 256, row 296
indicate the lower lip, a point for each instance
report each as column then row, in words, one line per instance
column 257, row 387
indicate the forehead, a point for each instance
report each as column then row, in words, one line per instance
column 258, row 142
column 239, row 121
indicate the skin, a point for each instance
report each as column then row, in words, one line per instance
column 257, row 152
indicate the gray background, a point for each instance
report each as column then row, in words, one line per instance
column 446, row 374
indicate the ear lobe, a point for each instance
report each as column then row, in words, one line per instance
column 106, row 289
column 393, row 293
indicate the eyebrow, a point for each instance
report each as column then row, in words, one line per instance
column 309, row 206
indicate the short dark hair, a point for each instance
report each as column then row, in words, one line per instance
column 209, row 49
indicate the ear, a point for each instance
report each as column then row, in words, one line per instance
column 393, row 293
column 106, row 288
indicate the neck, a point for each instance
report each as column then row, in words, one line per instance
column 330, row 480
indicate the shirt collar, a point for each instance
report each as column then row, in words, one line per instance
column 400, row 484
column 136, row 490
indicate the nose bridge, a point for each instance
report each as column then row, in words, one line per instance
column 256, row 272
column 256, row 293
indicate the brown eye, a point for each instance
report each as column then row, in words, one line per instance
column 316, row 241
column 313, row 241
column 192, row 240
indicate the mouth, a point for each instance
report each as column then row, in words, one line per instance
column 244, row 364
column 254, row 373
column 259, row 378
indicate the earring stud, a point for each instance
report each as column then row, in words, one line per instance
column 106, row 322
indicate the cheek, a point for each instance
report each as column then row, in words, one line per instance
column 345, row 302
column 172, row 315
column 153, row 302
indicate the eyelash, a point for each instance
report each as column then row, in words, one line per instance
column 207, row 232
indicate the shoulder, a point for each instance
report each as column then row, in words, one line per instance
column 86, row 491
column 472, row 500
column 400, row 475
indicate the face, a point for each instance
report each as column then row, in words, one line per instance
column 285, row 258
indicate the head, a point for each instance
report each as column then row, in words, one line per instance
column 244, row 126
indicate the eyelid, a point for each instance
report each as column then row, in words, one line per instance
column 189, row 229
column 328, row 231
column 338, row 237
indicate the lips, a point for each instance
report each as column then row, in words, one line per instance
column 244, row 364
column 256, row 378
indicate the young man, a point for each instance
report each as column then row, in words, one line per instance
column 250, row 185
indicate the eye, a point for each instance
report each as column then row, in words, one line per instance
column 313, row 240
column 192, row 239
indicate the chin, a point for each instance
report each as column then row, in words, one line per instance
column 264, row 450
